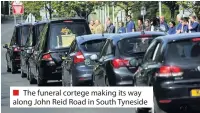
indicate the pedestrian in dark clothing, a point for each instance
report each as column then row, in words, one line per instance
column 163, row 25
column 193, row 24
column 155, row 24
column 179, row 26
column 121, row 28
column 172, row 28
column 185, row 28
column 130, row 25
column 110, row 28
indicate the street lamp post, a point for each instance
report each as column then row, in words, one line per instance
column 143, row 13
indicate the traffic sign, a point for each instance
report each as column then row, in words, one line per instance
column 18, row 8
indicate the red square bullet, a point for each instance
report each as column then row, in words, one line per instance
column 15, row 92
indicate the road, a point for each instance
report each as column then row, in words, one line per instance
column 8, row 79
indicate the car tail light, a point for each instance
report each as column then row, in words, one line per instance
column 79, row 58
column 196, row 39
column 16, row 49
column 47, row 57
column 166, row 71
column 117, row 63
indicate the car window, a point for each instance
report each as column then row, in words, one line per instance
column 150, row 51
column 13, row 39
column 133, row 46
column 72, row 47
column 25, row 31
column 29, row 41
column 93, row 45
column 62, row 34
column 42, row 38
column 104, row 49
column 157, row 53
column 184, row 50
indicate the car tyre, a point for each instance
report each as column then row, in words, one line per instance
column 13, row 68
column 156, row 107
column 32, row 80
column 106, row 83
column 140, row 110
column 8, row 69
column 40, row 81
column 28, row 75
column 63, row 81
column 23, row 75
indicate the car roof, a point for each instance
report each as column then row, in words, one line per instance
column 22, row 24
column 175, row 37
column 40, row 22
column 118, row 37
column 85, row 38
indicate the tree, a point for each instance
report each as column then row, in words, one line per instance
column 83, row 9
column 33, row 7
column 173, row 6
column 126, row 6
column 195, row 6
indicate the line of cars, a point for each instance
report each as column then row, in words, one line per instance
column 66, row 50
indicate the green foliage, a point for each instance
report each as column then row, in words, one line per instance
column 33, row 7
column 191, row 5
column 173, row 6
column 126, row 6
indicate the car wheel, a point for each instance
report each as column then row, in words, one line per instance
column 40, row 81
column 156, row 107
column 8, row 69
column 13, row 68
column 106, row 81
column 142, row 110
column 63, row 80
column 23, row 75
column 71, row 81
column 32, row 80
column 28, row 75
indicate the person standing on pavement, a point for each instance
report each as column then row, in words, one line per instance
column 140, row 24
column 193, row 24
column 110, row 27
column 155, row 24
column 163, row 25
column 147, row 25
column 99, row 28
column 172, row 28
column 121, row 28
column 130, row 25
column 92, row 26
column 184, row 26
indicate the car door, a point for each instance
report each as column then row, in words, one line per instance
column 99, row 68
column 40, row 49
column 141, row 76
column 9, row 50
column 24, row 55
column 69, row 61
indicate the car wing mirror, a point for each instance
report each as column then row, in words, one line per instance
column 94, row 57
column 133, row 62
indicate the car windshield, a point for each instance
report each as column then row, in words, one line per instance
column 93, row 45
column 25, row 34
column 184, row 50
column 133, row 46
column 62, row 34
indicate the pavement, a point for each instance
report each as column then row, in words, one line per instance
column 8, row 79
